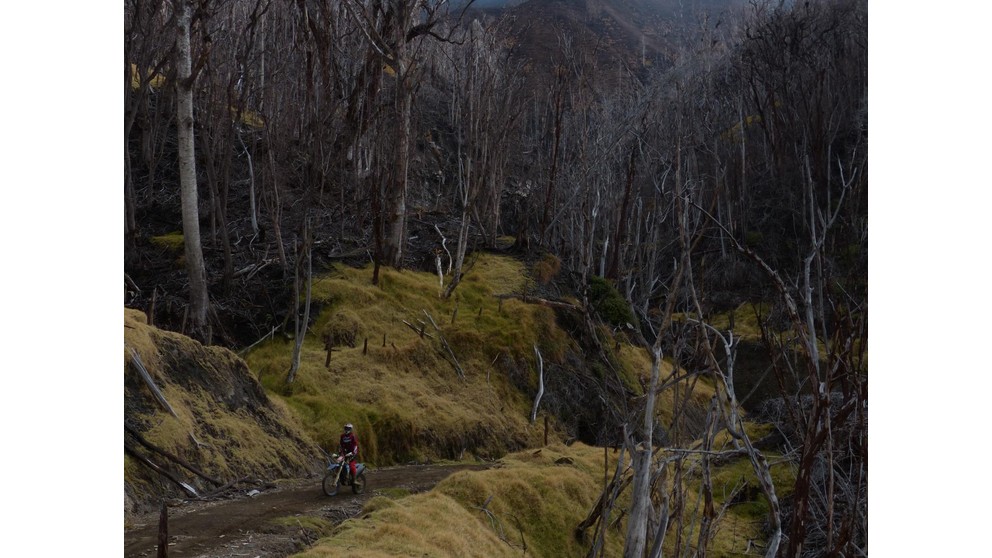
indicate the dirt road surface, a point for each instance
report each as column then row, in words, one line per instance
column 244, row 526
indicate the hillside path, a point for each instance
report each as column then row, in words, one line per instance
column 243, row 527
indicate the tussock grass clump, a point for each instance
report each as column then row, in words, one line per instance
column 378, row 503
column 530, row 501
column 173, row 241
column 535, row 500
column 341, row 328
column 547, row 268
column 430, row 524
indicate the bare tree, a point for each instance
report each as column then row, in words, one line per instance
column 303, row 255
column 483, row 110
column 199, row 301
column 148, row 44
column 393, row 30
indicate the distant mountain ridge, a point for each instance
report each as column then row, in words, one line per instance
column 614, row 34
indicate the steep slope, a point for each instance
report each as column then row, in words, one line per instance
column 535, row 504
column 467, row 386
column 221, row 422
column 608, row 38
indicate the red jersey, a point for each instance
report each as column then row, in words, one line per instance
column 349, row 443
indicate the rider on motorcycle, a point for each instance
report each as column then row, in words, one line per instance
column 349, row 448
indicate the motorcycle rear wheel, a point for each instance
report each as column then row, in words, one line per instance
column 358, row 485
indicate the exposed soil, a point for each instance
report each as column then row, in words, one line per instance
column 244, row 527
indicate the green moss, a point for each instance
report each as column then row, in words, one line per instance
column 609, row 303
column 746, row 320
column 173, row 241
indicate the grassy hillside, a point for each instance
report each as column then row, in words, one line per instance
column 406, row 397
column 534, row 502
column 464, row 389
column 223, row 423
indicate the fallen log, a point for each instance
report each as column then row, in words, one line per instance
column 158, row 469
column 268, row 335
column 141, row 440
column 130, row 283
column 224, row 488
column 149, row 382
column 419, row 331
column 454, row 360
column 252, row 269
column 541, row 301
column 346, row 255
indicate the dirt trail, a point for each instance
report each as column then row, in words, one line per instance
column 243, row 527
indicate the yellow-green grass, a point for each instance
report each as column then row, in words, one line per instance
column 746, row 516
column 157, row 81
column 746, row 318
column 748, row 329
column 429, row 524
column 405, row 398
column 408, row 403
column 635, row 369
column 233, row 442
column 536, row 499
column 172, row 241
column 531, row 501
column 393, row 493
column 153, row 79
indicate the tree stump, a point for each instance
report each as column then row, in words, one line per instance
column 163, row 532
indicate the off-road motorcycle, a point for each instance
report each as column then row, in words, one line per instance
column 339, row 474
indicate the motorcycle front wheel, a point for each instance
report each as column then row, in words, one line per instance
column 331, row 484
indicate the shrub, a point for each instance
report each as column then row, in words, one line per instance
column 753, row 239
column 547, row 268
column 609, row 303
column 343, row 328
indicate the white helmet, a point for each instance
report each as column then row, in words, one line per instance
column 348, row 427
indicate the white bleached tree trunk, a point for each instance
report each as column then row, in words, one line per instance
column 640, row 505
column 199, row 300
column 540, row 384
